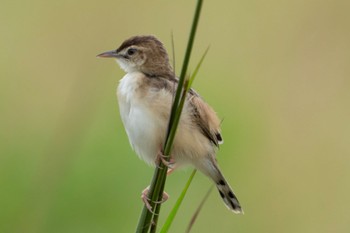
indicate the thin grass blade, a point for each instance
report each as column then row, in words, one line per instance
column 196, row 213
column 176, row 207
column 197, row 67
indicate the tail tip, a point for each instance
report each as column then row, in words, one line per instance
column 230, row 199
column 237, row 210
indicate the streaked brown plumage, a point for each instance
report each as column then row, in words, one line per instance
column 145, row 96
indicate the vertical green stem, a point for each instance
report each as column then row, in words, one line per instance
column 148, row 221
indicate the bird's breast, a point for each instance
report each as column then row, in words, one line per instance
column 142, row 124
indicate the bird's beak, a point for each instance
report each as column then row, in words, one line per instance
column 112, row 53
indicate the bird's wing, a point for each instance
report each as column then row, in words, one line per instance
column 203, row 115
column 206, row 118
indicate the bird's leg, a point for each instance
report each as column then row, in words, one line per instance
column 170, row 164
column 145, row 199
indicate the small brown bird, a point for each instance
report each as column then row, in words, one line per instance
column 145, row 96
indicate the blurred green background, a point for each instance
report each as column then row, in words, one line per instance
column 277, row 72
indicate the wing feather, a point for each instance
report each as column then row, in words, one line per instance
column 205, row 117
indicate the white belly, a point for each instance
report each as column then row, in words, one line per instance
column 141, row 125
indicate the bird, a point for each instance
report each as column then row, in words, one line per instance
column 145, row 95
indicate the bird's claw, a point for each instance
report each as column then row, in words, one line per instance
column 145, row 199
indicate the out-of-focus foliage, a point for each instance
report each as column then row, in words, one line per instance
column 277, row 73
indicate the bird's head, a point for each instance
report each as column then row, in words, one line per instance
column 144, row 54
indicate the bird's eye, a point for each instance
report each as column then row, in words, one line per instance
column 131, row 51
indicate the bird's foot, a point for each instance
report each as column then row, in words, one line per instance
column 170, row 164
column 145, row 199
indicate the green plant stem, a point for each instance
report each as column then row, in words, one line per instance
column 188, row 52
column 148, row 220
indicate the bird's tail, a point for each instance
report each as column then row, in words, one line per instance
column 226, row 193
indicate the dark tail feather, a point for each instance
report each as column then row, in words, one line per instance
column 226, row 193
column 228, row 196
